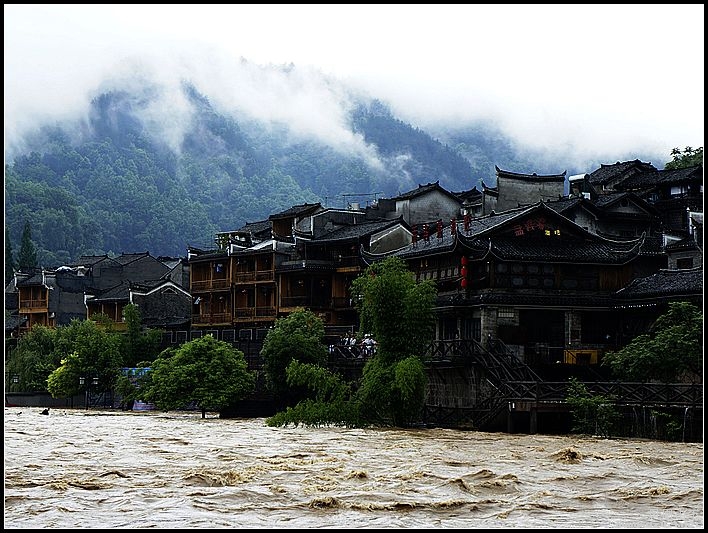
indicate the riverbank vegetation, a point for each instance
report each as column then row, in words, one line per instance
column 398, row 313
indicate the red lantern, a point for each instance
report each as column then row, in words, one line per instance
column 463, row 271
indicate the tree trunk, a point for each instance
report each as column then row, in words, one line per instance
column 203, row 412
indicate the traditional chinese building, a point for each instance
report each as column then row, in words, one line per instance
column 531, row 278
column 304, row 257
column 514, row 189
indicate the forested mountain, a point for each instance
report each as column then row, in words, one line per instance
column 117, row 182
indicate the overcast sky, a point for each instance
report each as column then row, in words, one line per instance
column 591, row 79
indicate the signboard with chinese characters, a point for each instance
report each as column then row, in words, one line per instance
column 536, row 225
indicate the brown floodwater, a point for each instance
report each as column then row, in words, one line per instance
column 112, row 469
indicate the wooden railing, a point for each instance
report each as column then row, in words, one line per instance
column 210, row 285
column 257, row 275
column 32, row 304
column 212, row 318
column 255, row 312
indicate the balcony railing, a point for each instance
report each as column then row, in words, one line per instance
column 342, row 302
column 30, row 304
column 305, row 301
column 347, row 261
column 255, row 312
column 258, row 275
column 210, row 285
column 212, row 318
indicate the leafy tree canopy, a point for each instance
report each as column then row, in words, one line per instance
column 205, row 371
column 300, row 337
column 138, row 343
column 9, row 257
column 688, row 157
column 27, row 260
column 671, row 350
column 33, row 360
column 85, row 350
column 392, row 389
column 395, row 309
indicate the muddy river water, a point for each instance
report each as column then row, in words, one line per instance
column 112, row 469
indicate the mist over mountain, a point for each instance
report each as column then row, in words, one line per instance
column 154, row 166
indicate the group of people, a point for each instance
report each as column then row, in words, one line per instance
column 366, row 347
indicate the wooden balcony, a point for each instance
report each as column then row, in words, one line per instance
column 211, row 318
column 343, row 302
column 255, row 313
column 258, row 275
column 27, row 306
column 210, row 285
column 309, row 301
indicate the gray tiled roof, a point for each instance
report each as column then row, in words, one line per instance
column 355, row 231
column 590, row 252
column 37, row 279
column 89, row 260
column 257, row 228
column 124, row 258
column 119, row 292
column 606, row 200
column 607, row 173
column 688, row 243
column 564, row 204
column 296, row 210
column 665, row 282
column 422, row 189
column 471, row 195
column 591, row 249
column 660, row 177
column 530, row 177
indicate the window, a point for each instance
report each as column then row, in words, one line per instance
column 505, row 312
column 678, row 190
column 684, row 263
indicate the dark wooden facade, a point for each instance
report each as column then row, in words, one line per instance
column 532, row 279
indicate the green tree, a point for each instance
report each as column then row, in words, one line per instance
column 205, row 371
column 85, row 350
column 671, row 350
column 392, row 394
column 33, row 360
column 27, row 260
column 332, row 404
column 689, row 157
column 395, row 309
column 392, row 389
column 299, row 337
column 592, row 414
column 9, row 257
column 399, row 313
column 138, row 344
column 64, row 381
column 131, row 385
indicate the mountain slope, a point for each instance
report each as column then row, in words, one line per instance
column 118, row 181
